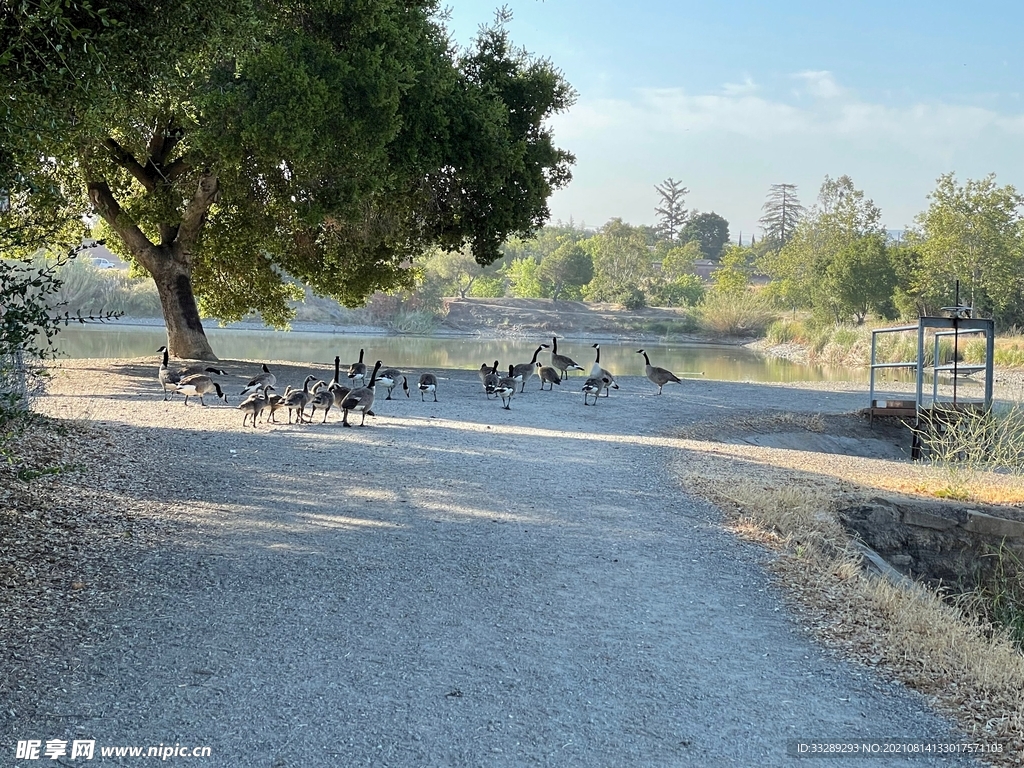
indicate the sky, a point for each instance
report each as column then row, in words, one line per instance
column 730, row 97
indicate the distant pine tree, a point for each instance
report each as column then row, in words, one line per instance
column 782, row 212
column 671, row 213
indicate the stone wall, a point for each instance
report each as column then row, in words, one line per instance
column 951, row 543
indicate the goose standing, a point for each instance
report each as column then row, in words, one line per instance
column 506, row 388
column 659, row 376
column 171, row 377
column 297, row 400
column 485, row 371
column 562, row 362
column 338, row 392
column 524, row 371
column 427, row 383
column 389, row 380
column 358, row 370
column 593, row 386
column 597, row 372
column 198, row 385
column 254, row 404
column 491, row 379
column 259, row 381
column 322, row 398
column 360, row 399
column 274, row 402
column 549, row 375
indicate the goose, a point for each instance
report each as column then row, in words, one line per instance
column 297, row 400
column 491, row 379
column 360, row 399
column 171, row 377
column 254, row 405
column 322, row 398
column 259, row 381
column 198, row 385
column 389, row 380
column 562, row 362
column 428, row 383
column 524, row 371
column 549, row 375
column 338, row 392
column 593, row 386
column 405, row 386
column 597, row 372
column 506, row 388
column 358, row 370
column 274, row 402
column 485, row 371
column 658, row 376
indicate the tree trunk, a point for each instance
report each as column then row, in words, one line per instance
column 185, row 335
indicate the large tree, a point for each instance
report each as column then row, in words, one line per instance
column 671, row 213
column 709, row 230
column 622, row 261
column 782, row 212
column 566, row 270
column 826, row 249
column 226, row 145
column 974, row 233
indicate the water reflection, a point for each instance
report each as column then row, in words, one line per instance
column 721, row 362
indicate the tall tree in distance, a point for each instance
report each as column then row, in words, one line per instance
column 709, row 230
column 671, row 213
column 782, row 212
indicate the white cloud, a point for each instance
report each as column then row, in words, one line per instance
column 820, row 83
column 748, row 86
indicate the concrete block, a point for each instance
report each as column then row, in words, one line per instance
column 987, row 525
column 921, row 519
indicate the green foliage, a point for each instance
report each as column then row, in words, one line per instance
column 733, row 277
column 678, row 261
column 524, row 281
column 622, row 261
column 732, row 314
column 709, row 230
column 782, row 213
column 683, row 291
column 973, row 233
column 241, row 143
column 840, row 240
column 631, row 298
column 569, row 268
column 488, row 287
column 671, row 213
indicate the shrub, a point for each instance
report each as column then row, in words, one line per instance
column 735, row 314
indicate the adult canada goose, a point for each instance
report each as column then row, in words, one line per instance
column 254, row 404
column 524, row 371
column 506, row 388
column 597, row 372
column 593, row 386
column 562, row 362
column 357, row 370
column 322, row 398
column 491, row 379
column 427, row 383
column 338, row 392
column 389, row 379
column 360, row 399
column 259, row 381
column 659, row 376
column 549, row 375
column 405, row 386
column 198, row 385
column 171, row 377
column 485, row 371
column 297, row 400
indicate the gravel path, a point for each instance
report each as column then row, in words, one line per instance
column 452, row 585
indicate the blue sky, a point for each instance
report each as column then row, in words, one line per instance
column 730, row 97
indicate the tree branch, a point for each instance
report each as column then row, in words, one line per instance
column 106, row 205
column 127, row 160
column 192, row 222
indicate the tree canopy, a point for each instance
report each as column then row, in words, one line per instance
column 228, row 145
column 709, row 230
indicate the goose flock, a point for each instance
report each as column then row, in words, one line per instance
column 260, row 399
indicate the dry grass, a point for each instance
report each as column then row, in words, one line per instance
column 968, row 668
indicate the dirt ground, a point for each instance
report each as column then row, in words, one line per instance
column 454, row 584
